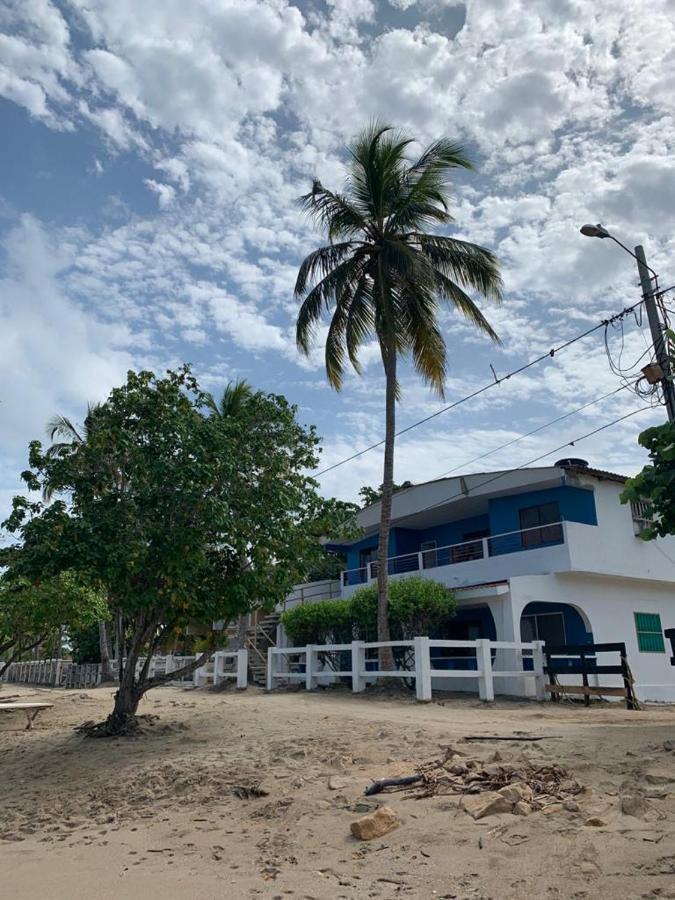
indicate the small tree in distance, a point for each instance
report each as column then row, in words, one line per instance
column 32, row 612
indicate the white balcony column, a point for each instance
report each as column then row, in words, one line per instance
column 486, row 547
column 420, row 561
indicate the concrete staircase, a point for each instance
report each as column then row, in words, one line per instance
column 258, row 638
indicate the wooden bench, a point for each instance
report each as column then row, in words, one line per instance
column 31, row 710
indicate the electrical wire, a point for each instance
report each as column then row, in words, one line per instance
column 548, row 355
column 530, row 462
column 522, row 437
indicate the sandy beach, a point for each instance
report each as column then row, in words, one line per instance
column 174, row 814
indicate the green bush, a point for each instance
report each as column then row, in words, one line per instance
column 417, row 607
column 326, row 622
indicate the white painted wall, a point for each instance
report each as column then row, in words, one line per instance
column 609, row 603
column 612, row 548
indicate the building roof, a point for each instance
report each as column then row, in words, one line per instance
column 428, row 503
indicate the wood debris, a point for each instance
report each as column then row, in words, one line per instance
column 546, row 783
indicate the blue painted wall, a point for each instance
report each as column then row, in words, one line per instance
column 576, row 505
column 454, row 532
column 575, row 629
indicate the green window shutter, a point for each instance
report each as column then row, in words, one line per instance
column 649, row 633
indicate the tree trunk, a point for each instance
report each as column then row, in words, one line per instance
column 106, row 667
column 386, row 655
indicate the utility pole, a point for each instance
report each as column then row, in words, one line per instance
column 656, row 328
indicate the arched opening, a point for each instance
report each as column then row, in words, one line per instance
column 555, row 623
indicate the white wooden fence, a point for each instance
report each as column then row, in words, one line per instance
column 222, row 665
column 54, row 673
column 280, row 666
column 65, row 673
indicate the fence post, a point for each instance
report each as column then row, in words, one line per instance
column 217, row 656
column 270, row 668
column 242, row 669
column 538, row 667
column 486, row 689
column 422, row 669
column 358, row 667
column 310, row 665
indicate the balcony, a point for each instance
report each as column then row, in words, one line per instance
column 527, row 539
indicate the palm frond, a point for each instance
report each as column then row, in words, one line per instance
column 322, row 296
column 333, row 212
column 472, row 265
column 63, row 427
column 320, row 263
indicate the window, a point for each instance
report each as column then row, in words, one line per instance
column 549, row 627
column 429, row 555
column 540, row 525
column 649, row 633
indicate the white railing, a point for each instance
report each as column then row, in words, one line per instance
column 54, row 673
column 215, row 670
column 481, row 548
column 281, row 667
column 641, row 519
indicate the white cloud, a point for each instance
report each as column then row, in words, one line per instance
column 54, row 356
column 165, row 193
column 567, row 107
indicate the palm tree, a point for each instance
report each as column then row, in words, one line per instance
column 70, row 438
column 235, row 396
column 383, row 275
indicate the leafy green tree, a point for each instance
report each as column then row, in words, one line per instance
column 66, row 437
column 655, row 484
column 32, row 611
column 85, row 646
column 384, row 275
column 209, row 514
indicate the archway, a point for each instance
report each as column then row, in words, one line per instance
column 555, row 623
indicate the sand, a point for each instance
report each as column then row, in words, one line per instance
column 174, row 814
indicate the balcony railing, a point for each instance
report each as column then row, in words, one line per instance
column 483, row 548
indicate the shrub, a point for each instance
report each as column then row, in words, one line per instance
column 326, row 622
column 417, row 606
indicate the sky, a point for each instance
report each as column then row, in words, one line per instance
column 151, row 157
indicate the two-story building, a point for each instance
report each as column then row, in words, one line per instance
column 544, row 553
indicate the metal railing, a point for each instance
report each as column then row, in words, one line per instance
column 481, row 548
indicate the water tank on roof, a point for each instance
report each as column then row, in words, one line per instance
column 572, row 463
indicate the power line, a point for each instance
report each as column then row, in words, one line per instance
column 548, row 355
column 536, row 459
column 522, row 437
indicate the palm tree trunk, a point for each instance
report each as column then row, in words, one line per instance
column 104, row 647
column 383, row 633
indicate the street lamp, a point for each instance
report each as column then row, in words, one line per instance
column 649, row 296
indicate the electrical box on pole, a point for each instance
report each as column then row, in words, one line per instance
column 658, row 336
